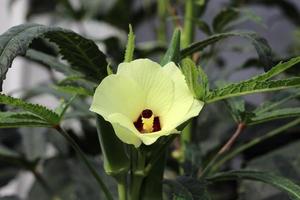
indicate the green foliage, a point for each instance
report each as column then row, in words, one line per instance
column 261, row 46
column 50, row 61
column 277, row 181
column 260, row 83
column 192, row 75
column 173, row 51
column 130, row 46
column 86, row 66
column 188, row 188
column 250, row 87
column 21, row 119
column 42, row 112
column 83, row 54
column 223, row 18
column 275, row 114
column 114, row 164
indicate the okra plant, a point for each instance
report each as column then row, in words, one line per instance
column 147, row 111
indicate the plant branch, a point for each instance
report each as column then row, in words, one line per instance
column 253, row 142
column 224, row 149
column 85, row 161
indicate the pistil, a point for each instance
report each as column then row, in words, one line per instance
column 147, row 122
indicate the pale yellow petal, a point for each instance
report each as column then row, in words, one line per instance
column 183, row 98
column 193, row 111
column 157, row 85
column 125, row 129
column 118, row 94
column 150, row 138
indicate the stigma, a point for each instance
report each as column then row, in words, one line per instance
column 147, row 122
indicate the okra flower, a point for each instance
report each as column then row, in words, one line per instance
column 144, row 101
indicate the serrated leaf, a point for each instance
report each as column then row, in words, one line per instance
column 277, row 69
column 83, row 54
column 75, row 85
column 278, row 100
column 279, row 182
column 73, row 89
column 21, row 119
column 237, row 108
column 250, row 87
column 275, row 114
column 223, row 18
column 63, row 106
column 173, row 52
column 41, row 111
column 203, row 26
column 50, row 61
column 178, row 191
column 130, row 46
column 188, row 188
column 15, row 42
column 191, row 74
column 261, row 46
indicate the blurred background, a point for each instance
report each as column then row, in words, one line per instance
column 106, row 22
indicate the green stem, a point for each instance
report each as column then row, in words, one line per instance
column 85, row 161
column 189, row 26
column 253, row 142
column 224, row 149
column 136, row 185
column 158, row 154
column 122, row 187
column 162, row 6
column 137, row 173
column 188, row 33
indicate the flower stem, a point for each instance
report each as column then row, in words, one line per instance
column 122, row 187
column 224, row 149
column 189, row 26
column 85, row 161
column 253, row 142
column 136, row 184
column 162, row 14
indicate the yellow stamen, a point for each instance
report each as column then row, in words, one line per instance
column 148, row 124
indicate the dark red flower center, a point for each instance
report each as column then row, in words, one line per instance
column 147, row 122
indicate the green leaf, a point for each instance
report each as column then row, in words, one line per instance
column 250, row 87
column 63, row 106
column 237, row 108
column 15, row 42
column 260, row 83
column 278, row 100
column 275, row 114
column 6, row 152
column 203, row 26
column 277, row 69
column 188, row 188
column 261, row 46
column 75, row 85
column 224, row 18
column 130, row 46
column 191, row 74
column 41, row 111
column 243, row 147
column 279, row 182
column 114, row 164
column 21, row 119
column 73, row 89
column 83, row 54
column 173, row 52
column 50, row 61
